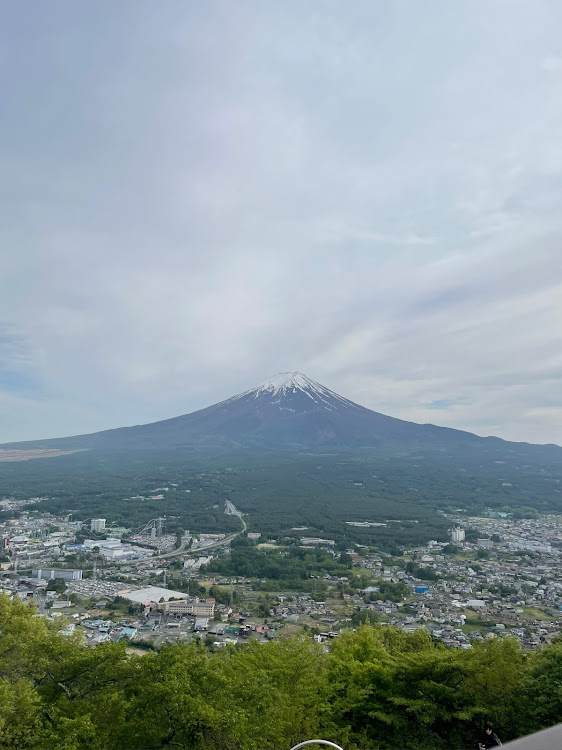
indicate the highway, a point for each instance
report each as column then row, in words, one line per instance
column 230, row 510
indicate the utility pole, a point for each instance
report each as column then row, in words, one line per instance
column 40, row 598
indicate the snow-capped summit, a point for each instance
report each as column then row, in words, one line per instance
column 295, row 392
column 285, row 381
column 290, row 411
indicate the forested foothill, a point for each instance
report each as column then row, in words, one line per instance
column 279, row 491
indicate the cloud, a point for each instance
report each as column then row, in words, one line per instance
column 197, row 197
column 552, row 64
column 443, row 403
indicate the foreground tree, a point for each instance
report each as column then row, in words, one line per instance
column 377, row 689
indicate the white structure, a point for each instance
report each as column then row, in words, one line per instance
column 309, row 541
column 457, row 535
column 113, row 549
column 97, row 525
column 152, row 595
column 194, row 563
column 64, row 574
column 525, row 545
column 253, row 535
column 485, row 543
column 196, row 608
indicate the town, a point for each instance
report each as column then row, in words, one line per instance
column 497, row 577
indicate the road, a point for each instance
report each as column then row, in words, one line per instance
column 229, row 508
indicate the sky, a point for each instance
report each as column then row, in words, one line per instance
column 196, row 196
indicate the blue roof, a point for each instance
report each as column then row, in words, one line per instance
column 128, row 632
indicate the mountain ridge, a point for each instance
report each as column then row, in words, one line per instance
column 289, row 412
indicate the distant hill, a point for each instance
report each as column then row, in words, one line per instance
column 289, row 412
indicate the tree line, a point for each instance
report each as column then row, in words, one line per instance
column 376, row 688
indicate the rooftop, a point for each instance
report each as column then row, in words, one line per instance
column 153, row 594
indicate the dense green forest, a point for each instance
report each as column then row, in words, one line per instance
column 248, row 561
column 285, row 490
column 377, row 687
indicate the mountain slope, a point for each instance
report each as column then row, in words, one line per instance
column 290, row 412
column 291, row 453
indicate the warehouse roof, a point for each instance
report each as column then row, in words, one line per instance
column 153, row 594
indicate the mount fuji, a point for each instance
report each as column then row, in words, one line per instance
column 292, row 453
column 289, row 412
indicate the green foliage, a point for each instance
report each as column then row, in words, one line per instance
column 541, row 691
column 451, row 549
column 378, row 688
column 364, row 617
column 393, row 592
column 286, row 489
column 426, row 574
column 292, row 564
column 222, row 595
column 58, row 585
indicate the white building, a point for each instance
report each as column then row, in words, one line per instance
column 64, row 574
column 485, row 543
column 254, row 535
column 457, row 535
column 194, row 563
column 309, row 541
column 97, row 525
column 529, row 546
column 152, row 595
column 113, row 549
column 196, row 608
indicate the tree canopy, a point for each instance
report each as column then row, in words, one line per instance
column 376, row 688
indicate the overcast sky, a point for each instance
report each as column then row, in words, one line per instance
column 198, row 195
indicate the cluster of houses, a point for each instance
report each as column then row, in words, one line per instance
column 505, row 580
column 514, row 589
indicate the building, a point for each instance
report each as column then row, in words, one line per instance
column 253, row 535
column 476, row 603
column 196, row 608
column 485, row 543
column 196, row 562
column 309, row 541
column 64, row 574
column 152, row 595
column 97, row 525
column 524, row 545
column 116, row 532
column 457, row 535
column 113, row 548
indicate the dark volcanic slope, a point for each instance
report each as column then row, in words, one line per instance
column 290, row 411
